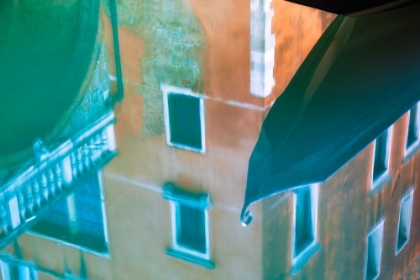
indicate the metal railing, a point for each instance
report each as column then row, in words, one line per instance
column 29, row 195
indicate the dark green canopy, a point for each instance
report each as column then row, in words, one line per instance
column 45, row 53
column 355, row 7
column 361, row 76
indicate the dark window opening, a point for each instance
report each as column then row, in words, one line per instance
column 87, row 229
column 374, row 252
column 304, row 235
column 380, row 165
column 404, row 221
column 191, row 228
column 413, row 129
column 184, row 120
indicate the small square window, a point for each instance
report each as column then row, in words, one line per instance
column 184, row 118
column 374, row 252
column 190, row 225
column 406, row 208
column 412, row 128
column 380, row 168
column 79, row 219
column 305, row 224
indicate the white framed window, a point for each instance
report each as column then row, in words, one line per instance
column 380, row 162
column 184, row 119
column 190, row 225
column 305, row 217
column 413, row 126
column 79, row 220
column 374, row 252
column 404, row 220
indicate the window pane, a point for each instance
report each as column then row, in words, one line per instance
column 374, row 251
column 191, row 228
column 184, row 120
column 88, row 204
column 405, row 220
column 303, row 220
column 56, row 223
column 412, row 135
column 380, row 159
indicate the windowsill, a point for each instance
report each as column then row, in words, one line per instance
column 410, row 152
column 186, row 148
column 70, row 244
column 380, row 182
column 304, row 257
column 190, row 258
column 398, row 250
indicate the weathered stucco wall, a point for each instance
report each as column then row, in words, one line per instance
column 297, row 29
column 218, row 53
column 346, row 213
column 171, row 54
column 178, row 52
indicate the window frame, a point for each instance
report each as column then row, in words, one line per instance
column 201, row 201
column 166, row 90
column 409, row 149
column 299, row 260
column 378, row 181
column 377, row 232
column 69, row 243
column 407, row 198
column 175, row 227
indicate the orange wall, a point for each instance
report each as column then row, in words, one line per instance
column 297, row 29
column 135, row 178
column 138, row 218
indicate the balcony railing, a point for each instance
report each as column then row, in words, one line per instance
column 29, row 195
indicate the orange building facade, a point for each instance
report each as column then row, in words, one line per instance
column 199, row 78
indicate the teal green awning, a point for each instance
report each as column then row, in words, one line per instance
column 361, row 76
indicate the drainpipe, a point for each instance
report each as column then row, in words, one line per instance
column 114, row 23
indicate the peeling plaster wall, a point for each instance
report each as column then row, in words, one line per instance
column 171, row 55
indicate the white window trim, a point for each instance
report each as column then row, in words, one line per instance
column 408, row 195
column 178, row 247
column 314, row 190
column 408, row 150
column 377, row 182
column 379, row 227
column 69, row 244
column 166, row 89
